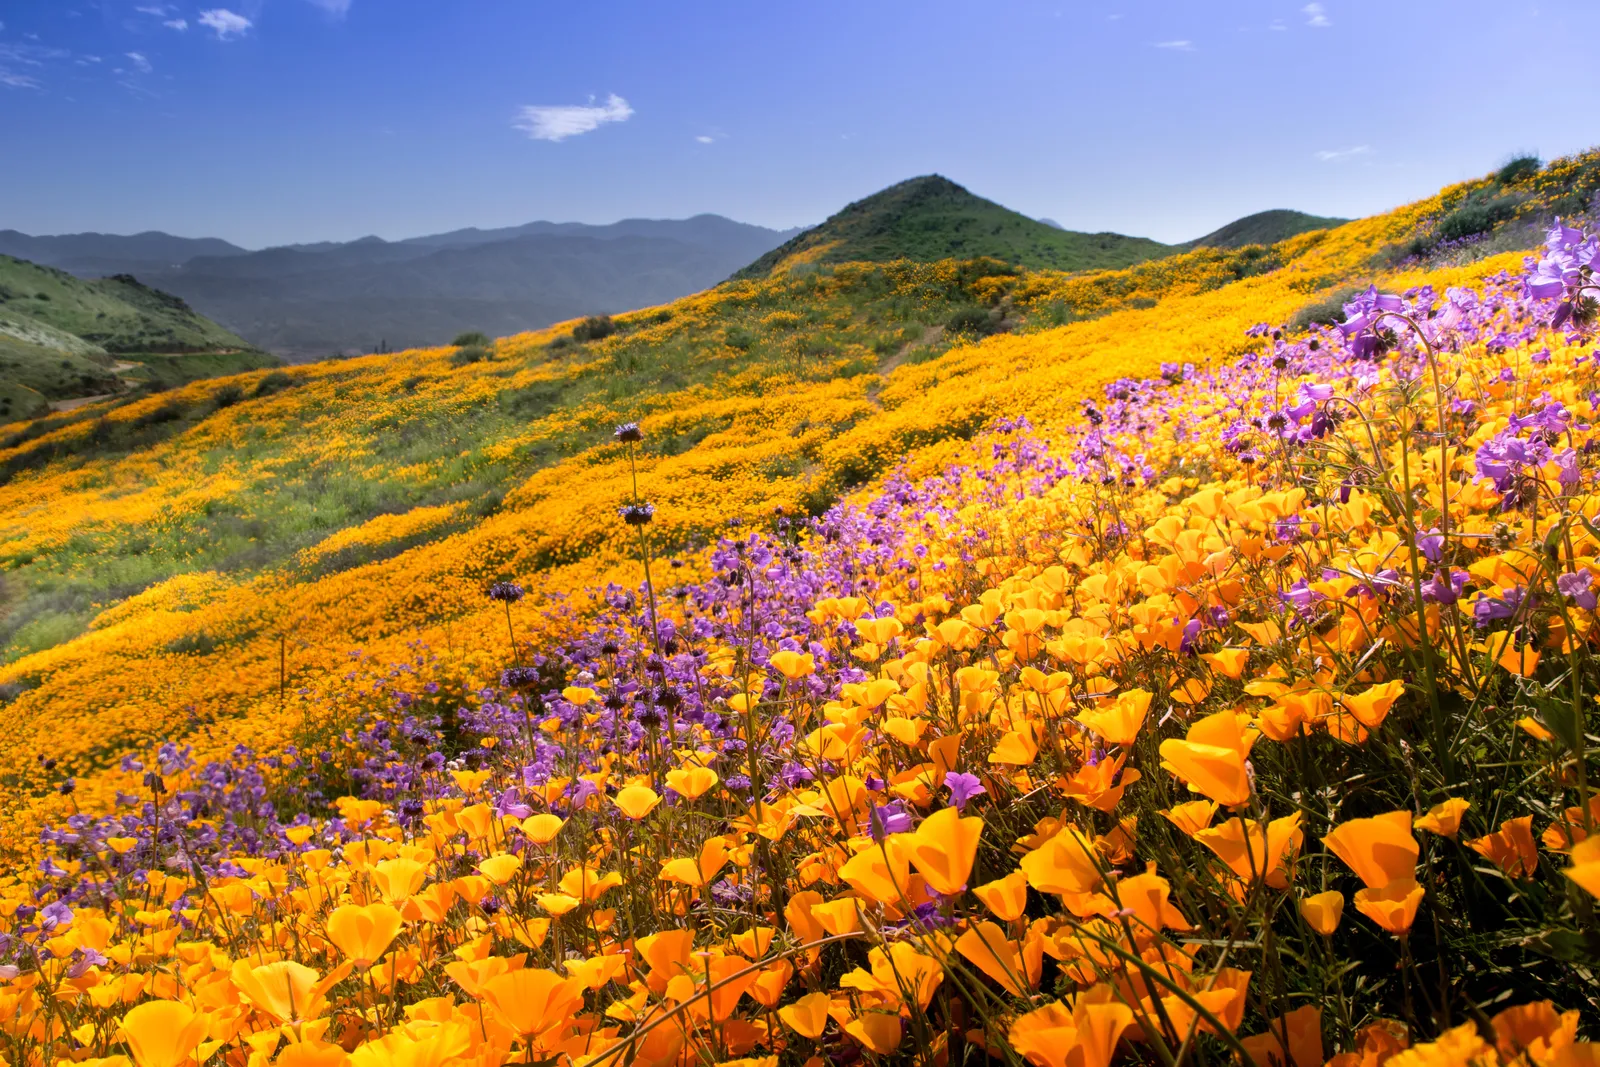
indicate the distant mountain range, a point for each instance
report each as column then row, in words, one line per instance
column 311, row 301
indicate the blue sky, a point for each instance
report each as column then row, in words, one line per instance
column 273, row 121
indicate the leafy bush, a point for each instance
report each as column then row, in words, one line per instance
column 227, row 396
column 273, row 382
column 973, row 320
column 1474, row 218
column 471, row 339
column 1518, row 169
column 461, row 357
column 594, row 328
column 1329, row 311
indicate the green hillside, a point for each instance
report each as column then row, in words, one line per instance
column 932, row 218
column 1265, row 228
column 63, row 337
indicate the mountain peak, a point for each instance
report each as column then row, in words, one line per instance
column 930, row 217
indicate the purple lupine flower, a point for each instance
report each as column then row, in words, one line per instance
column 1444, row 589
column 890, row 818
column 1431, row 545
column 963, row 787
column 1487, row 609
column 509, row 592
column 628, row 433
column 1577, row 587
column 54, row 915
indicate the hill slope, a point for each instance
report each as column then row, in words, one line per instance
column 1265, row 228
column 931, row 218
column 63, row 336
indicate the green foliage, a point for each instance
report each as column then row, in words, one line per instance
column 462, row 357
column 472, row 339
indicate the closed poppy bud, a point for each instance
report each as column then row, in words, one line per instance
column 1323, row 911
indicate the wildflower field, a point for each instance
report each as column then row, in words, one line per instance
column 788, row 677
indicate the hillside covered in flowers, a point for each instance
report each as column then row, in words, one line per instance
column 1200, row 667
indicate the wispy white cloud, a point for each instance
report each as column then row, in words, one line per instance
column 704, row 139
column 1339, row 155
column 140, row 61
column 167, row 14
column 227, row 24
column 16, row 58
column 1316, row 15
column 1278, row 26
column 336, row 8
column 1176, row 46
column 558, row 122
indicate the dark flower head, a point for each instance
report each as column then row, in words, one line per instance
column 629, row 433
column 637, row 514
column 510, row 592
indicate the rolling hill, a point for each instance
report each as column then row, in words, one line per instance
column 931, row 218
column 1264, row 228
column 64, row 337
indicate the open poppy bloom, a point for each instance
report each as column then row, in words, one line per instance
column 1211, row 759
column 1392, row 906
column 1444, row 818
column 1380, row 849
column 1292, row 1040
column 1511, row 848
column 165, row 1033
column 636, row 801
column 943, row 849
column 364, row 934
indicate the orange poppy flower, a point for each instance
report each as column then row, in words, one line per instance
column 1380, row 849
column 1510, row 848
column 1211, row 759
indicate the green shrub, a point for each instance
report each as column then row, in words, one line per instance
column 470, row 354
column 274, row 382
column 594, row 328
column 1329, row 311
column 973, row 320
column 471, row 339
column 226, row 396
column 1519, row 169
column 1475, row 217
